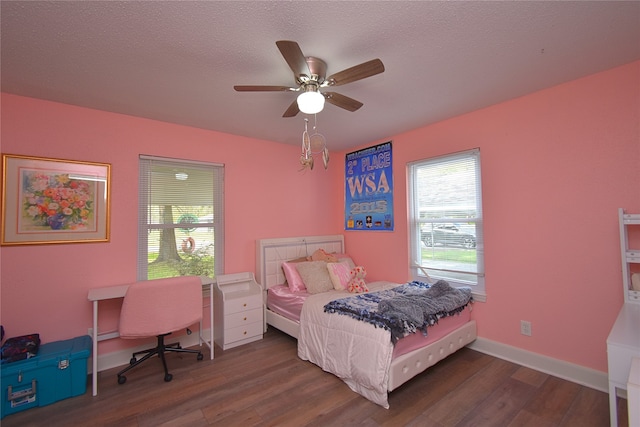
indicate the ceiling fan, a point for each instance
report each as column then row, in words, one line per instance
column 310, row 76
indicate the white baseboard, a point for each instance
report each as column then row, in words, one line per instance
column 122, row 357
column 558, row 368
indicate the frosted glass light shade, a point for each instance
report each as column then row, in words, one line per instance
column 310, row 102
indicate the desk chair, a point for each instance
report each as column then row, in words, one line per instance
column 158, row 308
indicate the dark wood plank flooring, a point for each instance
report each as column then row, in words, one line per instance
column 265, row 384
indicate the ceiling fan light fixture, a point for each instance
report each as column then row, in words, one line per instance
column 311, row 101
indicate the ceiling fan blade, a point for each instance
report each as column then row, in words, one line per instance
column 294, row 57
column 293, row 109
column 342, row 101
column 264, row 89
column 357, row 72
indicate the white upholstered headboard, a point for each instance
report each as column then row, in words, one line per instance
column 271, row 253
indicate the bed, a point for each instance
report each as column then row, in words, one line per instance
column 321, row 336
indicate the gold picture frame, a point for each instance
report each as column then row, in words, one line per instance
column 49, row 201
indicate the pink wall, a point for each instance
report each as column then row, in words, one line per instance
column 44, row 287
column 556, row 166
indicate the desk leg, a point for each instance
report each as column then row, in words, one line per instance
column 211, row 319
column 201, row 339
column 613, row 405
column 94, row 338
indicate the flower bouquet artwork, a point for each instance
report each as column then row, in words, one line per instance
column 54, row 201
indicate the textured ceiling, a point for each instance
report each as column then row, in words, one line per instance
column 178, row 61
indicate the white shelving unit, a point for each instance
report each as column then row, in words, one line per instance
column 623, row 343
column 633, row 392
column 629, row 256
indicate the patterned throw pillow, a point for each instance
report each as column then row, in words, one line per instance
column 339, row 274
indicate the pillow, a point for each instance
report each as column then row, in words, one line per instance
column 301, row 259
column 339, row 274
column 322, row 255
column 345, row 257
column 315, row 276
column 293, row 277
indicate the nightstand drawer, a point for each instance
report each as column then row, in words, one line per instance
column 243, row 332
column 243, row 303
column 243, row 318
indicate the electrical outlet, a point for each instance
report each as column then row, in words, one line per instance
column 525, row 328
column 90, row 332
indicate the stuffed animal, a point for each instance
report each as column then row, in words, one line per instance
column 322, row 255
column 357, row 284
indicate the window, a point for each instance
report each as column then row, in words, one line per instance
column 445, row 203
column 180, row 219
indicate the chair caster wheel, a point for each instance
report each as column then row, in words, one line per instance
column 200, row 356
column 122, row 379
column 168, row 378
column 132, row 361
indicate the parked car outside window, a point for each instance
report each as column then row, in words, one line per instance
column 447, row 235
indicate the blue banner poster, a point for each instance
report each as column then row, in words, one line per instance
column 369, row 189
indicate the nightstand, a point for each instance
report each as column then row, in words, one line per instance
column 239, row 310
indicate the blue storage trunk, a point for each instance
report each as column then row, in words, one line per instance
column 58, row 371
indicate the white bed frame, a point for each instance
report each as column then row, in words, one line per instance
column 271, row 253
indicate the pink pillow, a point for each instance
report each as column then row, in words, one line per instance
column 293, row 277
column 340, row 274
column 345, row 257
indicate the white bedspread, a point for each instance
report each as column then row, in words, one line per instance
column 355, row 351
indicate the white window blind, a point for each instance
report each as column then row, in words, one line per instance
column 180, row 218
column 446, row 220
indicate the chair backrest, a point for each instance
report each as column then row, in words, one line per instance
column 160, row 306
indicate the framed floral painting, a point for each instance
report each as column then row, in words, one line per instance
column 46, row 201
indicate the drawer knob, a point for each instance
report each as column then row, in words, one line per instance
column 244, row 305
column 245, row 318
column 244, row 333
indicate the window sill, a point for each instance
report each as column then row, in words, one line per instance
column 479, row 297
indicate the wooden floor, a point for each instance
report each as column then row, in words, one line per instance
column 265, row 384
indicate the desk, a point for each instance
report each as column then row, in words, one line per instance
column 112, row 292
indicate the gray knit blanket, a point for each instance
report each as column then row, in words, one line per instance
column 404, row 309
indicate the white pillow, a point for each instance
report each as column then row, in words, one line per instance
column 315, row 276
